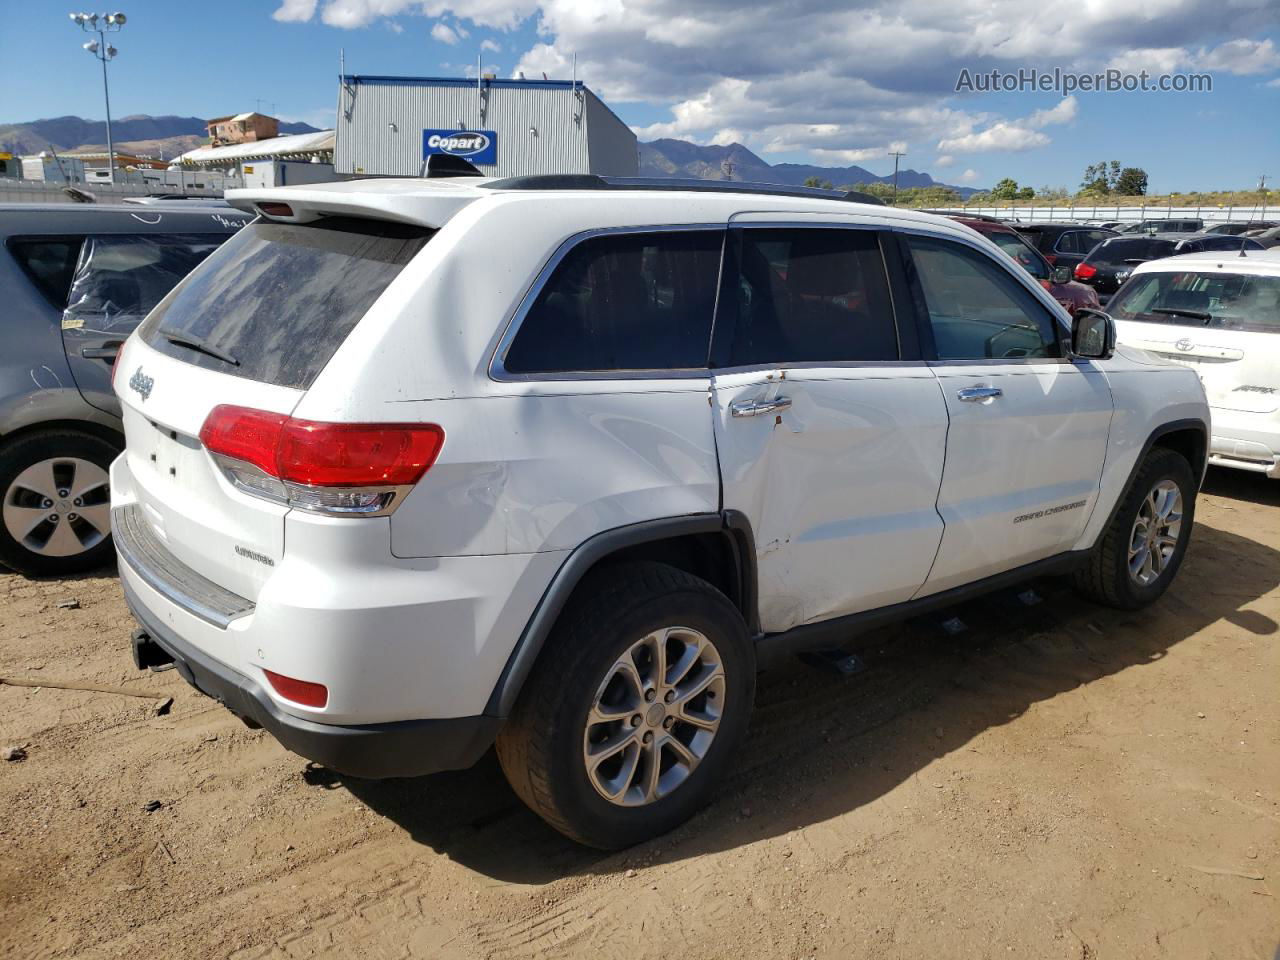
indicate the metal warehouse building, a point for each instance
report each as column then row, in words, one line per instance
column 388, row 126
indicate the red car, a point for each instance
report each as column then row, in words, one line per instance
column 1057, row 281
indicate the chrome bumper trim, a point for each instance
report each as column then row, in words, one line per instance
column 159, row 569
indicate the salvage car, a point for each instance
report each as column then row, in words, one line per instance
column 1221, row 317
column 1057, row 280
column 77, row 279
column 415, row 467
column 1111, row 263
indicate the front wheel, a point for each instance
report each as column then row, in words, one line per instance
column 1140, row 552
column 634, row 710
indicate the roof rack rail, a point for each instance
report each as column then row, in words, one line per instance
column 590, row 181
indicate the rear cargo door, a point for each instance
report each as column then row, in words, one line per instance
column 252, row 327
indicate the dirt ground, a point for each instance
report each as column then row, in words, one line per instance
column 1058, row 781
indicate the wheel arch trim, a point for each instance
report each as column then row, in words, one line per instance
column 731, row 524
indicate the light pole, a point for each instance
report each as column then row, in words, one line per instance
column 896, row 157
column 102, row 24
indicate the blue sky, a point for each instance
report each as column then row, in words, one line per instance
column 814, row 81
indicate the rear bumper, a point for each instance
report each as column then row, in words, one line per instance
column 1245, row 441
column 407, row 748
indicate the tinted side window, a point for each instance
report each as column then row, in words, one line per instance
column 637, row 301
column 811, row 295
column 50, row 263
column 1069, row 242
column 1092, row 238
column 976, row 309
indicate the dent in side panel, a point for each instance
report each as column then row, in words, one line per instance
column 841, row 488
column 545, row 472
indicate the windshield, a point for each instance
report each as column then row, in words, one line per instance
column 1230, row 301
column 1018, row 248
column 276, row 301
column 1138, row 249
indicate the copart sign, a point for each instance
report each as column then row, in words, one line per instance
column 478, row 146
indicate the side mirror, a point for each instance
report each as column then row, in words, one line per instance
column 1093, row 334
column 1061, row 274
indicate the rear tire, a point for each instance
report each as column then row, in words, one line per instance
column 1139, row 554
column 55, row 503
column 652, row 670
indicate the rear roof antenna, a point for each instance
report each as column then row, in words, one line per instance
column 1242, row 253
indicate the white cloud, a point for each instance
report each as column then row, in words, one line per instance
column 840, row 80
column 1242, row 57
column 945, row 160
column 394, row 27
column 295, row 11
column 491, row 45
column 1154, row 60
column 444, row 33
column 1273, row 83
column 969, row 176
column 1013, row 135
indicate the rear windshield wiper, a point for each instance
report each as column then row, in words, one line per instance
column 1177, row 312
column 191, row 341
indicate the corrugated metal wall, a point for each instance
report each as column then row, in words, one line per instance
column 613, row 147
column 368, row 143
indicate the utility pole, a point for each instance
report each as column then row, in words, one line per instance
column 726, row 167
column 896, row 157
column 102, row 24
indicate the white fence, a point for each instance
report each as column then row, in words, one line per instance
column 1209, row 213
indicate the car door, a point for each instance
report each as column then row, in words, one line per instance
column 830, row 430
column 118, row 279
column 1028, row 425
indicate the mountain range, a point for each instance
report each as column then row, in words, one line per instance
column 679, row 158
column 154, row 136
column 169, row 136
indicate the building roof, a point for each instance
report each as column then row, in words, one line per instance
column 292, row 145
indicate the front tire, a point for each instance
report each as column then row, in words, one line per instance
column 634, row 710
column 1140, row 552
column 55, row 503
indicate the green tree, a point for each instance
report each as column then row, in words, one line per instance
column 1132, row 182
column 818, row 183
column 1027, row 193
column 1095, row 179
column 1006, row 189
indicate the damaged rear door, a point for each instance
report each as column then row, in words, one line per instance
column 831, row 432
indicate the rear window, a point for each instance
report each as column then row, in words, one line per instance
column 1137, row 249
column 1222, row 300
column 280, row 298
column 639, row 301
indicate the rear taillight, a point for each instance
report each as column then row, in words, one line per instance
column 336, row 468
column 299, row 691
column 1052, row 258
column 1085, row 270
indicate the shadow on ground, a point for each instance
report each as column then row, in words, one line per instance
column 821, row 745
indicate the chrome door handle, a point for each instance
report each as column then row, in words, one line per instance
column 754, row 408
column 979, row 394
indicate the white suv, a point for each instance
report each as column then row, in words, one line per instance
column 1218, row 313
column 418, row 465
